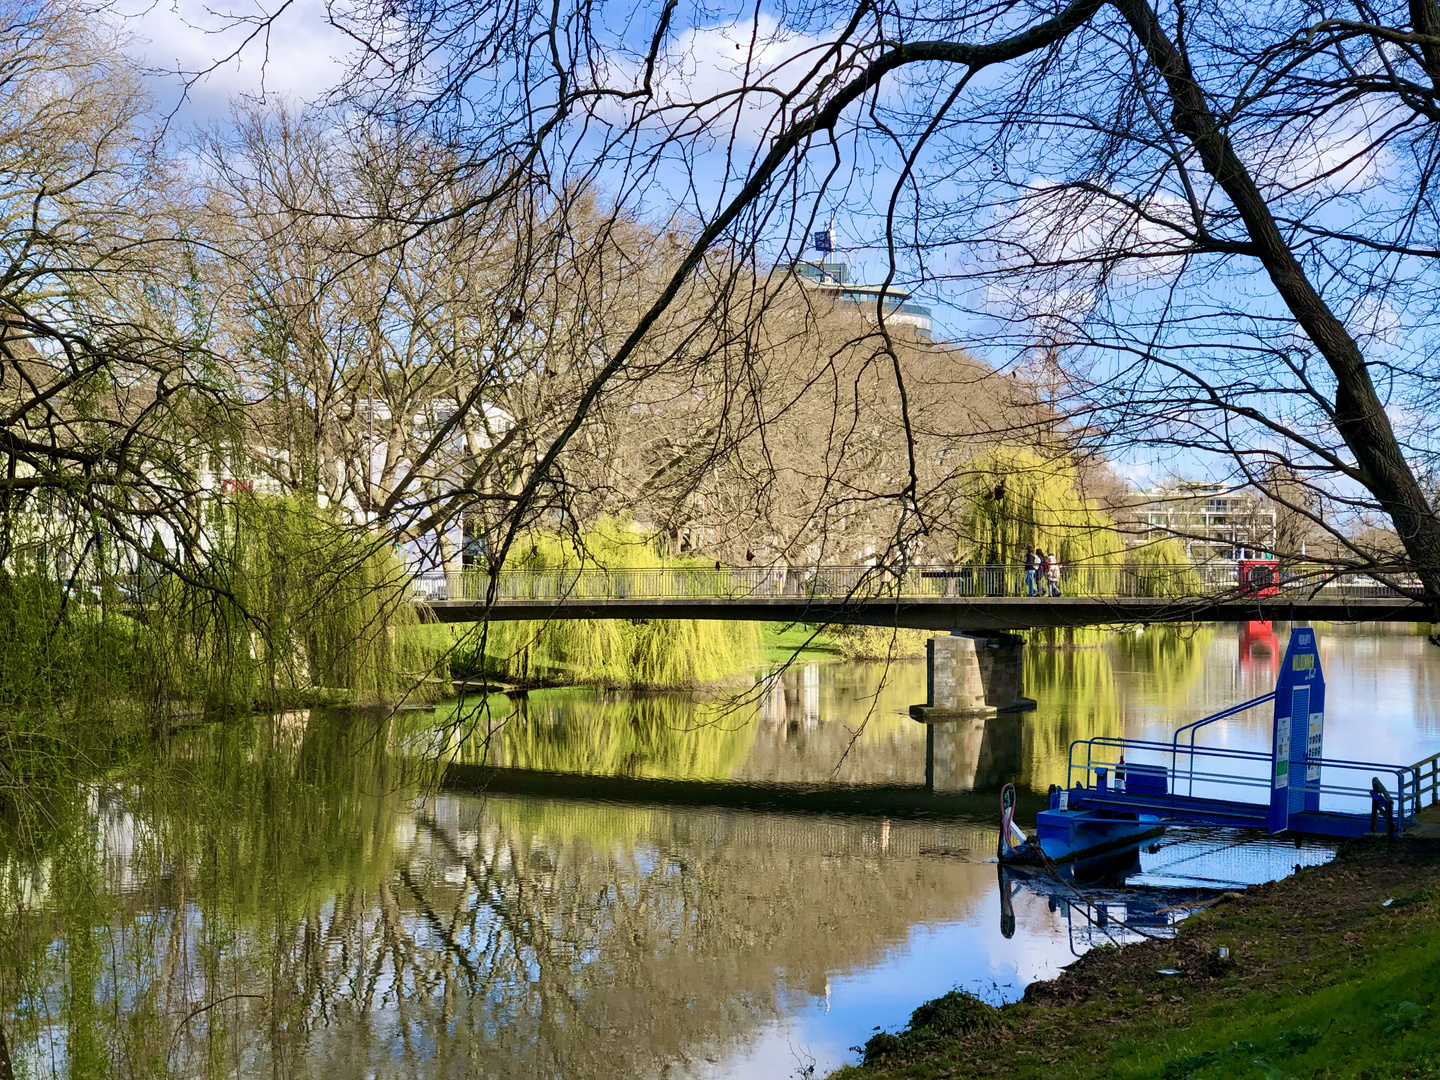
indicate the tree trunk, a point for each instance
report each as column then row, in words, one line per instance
column 1359, row 415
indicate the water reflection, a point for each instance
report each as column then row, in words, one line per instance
column 297, row 896
column 452, row 935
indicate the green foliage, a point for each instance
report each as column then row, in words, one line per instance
column 1404, row 1017
column 638, row 653
column 1298, row 1039
column 1161, row 568
column 880, row 642
column 288, row 603
column 951, row 1017
column 1021, row 500
column 57, row 647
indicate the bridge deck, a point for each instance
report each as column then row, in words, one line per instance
column 997, row 613
column 926, row 598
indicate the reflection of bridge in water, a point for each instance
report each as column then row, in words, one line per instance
column 977, row 598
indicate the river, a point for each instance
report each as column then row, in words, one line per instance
column 310, row 895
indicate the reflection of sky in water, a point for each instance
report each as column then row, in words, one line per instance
column 1054, row 924
column 970, row 954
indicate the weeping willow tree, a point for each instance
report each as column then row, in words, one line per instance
column 880, row 642
column 287, row 605
column 280, row 604
column 1021, row 500
column 639, row 653
column 1161, row 568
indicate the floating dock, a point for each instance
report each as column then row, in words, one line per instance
column 1120, row 792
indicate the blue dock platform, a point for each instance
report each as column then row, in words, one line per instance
column 1122, row 791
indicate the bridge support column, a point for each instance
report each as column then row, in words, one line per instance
column 972, row 675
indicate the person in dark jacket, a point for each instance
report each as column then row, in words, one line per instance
column 1032, row 572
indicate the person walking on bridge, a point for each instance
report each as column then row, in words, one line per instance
column 1032, row 572
column 1052, row 573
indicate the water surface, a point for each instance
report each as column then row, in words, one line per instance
column 305, row 895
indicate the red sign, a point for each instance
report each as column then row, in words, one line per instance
column 1259, row 577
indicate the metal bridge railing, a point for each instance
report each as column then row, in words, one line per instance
column 870, row 582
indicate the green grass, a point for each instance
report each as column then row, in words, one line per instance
column 782, row 641
column 1326, row 984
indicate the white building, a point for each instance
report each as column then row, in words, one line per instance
column 1213, row 521
column 833, row 278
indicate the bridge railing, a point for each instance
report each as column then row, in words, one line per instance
column 869, row 582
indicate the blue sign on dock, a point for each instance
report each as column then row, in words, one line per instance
column 1299, row 736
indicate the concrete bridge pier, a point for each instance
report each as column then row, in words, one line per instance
column 974, row 754
column 972, row 676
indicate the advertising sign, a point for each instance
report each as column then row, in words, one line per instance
column 1299, row 733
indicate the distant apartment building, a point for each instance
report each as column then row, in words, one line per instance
column 1213, row 521
column 833, row 278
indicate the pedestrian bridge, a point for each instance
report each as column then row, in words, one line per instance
column 972, row 598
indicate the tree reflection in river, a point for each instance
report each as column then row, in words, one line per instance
column 289, row 897
column 836, row 723
column 274, row 900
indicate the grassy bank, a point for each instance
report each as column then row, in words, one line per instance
column 782, row 642
column 1324, row 982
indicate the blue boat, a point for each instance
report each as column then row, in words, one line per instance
column 1120, row 791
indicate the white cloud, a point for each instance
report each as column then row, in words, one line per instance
column 298, row 57
column 1050, row 250
column 701, row 72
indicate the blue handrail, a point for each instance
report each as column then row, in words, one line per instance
column 1196, row 725
column 1405, row 777
column 1221, row 715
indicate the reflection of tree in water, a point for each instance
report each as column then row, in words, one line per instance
column 812, row 716
column 1169, row 662
column 855, row 716
column 662, row 736
column 1082, row 693
column 1076, row 698
column 798, row 733
column 272, row 904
